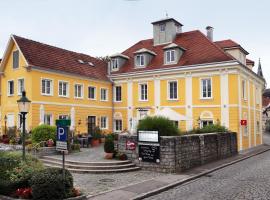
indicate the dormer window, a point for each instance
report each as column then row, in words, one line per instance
column 114, row 63
column 140, row 60
column 170, row 56
column 162, row 27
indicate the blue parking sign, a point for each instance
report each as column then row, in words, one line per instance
column 62, row 133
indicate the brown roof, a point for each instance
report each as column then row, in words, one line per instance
column 229, row 44
column 199, row 50
column 53, row 58
column 250, row 62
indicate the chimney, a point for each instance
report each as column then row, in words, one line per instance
column 209, row 30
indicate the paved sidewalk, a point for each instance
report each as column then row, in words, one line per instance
column 162, row 183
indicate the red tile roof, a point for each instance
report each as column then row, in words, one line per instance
column 53, row 58
column 250, row 62
column 199, row 50
column 227, row 43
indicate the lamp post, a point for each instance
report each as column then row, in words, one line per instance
column 24, row 105
column 5, row 124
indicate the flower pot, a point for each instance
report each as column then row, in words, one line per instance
column 95, row 142
column 109, row 155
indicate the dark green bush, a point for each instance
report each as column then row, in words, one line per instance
column 49, row 184
column 8, row 187
column 97, row 133
column 109, row 144
column 43, row 133
column 163, row 125
column 215, row 128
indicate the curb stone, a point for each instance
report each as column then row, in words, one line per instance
column 177, row 183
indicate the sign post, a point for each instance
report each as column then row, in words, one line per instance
column 61, row 140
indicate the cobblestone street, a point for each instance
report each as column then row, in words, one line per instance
column 249, row 179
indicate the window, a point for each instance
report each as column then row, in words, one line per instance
column 103, row 94
column 139, row 60
column 176, row 123
column 206, row 123
column 258, row 127
column 170, row 56
column 162, row 27
column 78, row 91
column 63, row 89
column 118, row 93
column 206, row 88
column 244, row 90
column 10, row 88
column 48, row 119
column 63, row 117
column 103, row 122
column 143, row 92
column 20, row 86
column 114, row 63
column 46, row 87
column 257, row 96
column 15, row 59
column 91, row 92
column 172, row 90
column 118, row 125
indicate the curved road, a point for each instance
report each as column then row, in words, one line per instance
column 249, row 179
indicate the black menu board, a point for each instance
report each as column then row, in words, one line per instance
column 149, row 153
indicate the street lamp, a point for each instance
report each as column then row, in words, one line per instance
column 24, row 105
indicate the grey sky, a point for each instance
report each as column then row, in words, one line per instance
column 104, row 27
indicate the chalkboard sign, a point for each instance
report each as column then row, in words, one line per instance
column 149, row 153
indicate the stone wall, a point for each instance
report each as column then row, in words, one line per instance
column 180, row 153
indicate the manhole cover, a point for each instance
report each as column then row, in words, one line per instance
column 106, row 180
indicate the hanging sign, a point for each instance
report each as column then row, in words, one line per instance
column 130, row 145
column 243, row 122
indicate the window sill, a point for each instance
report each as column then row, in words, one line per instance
column 104, row 100
column 10, row 95
column 143, row 100
column 117, row 101
column 172, row 99
column 63, row 96
column 92, row 99
column 79, row 98
column 47, row 95
column 208, row 98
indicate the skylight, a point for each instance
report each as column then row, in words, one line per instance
column 80, row 61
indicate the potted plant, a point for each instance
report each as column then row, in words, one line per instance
column 96, row 137
column 109, row 146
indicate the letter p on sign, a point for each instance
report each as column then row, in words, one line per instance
column 62, row 133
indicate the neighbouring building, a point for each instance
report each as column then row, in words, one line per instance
column 185, row 76
column 266, row 107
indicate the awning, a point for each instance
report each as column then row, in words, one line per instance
column 171, row 114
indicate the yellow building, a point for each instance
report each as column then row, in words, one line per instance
column 185, row 76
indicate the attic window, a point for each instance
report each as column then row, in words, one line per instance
column 140, row 60
column 162, row 27
column 91, row 64
column 170, row 56
column 80, row 61
column 114, row 64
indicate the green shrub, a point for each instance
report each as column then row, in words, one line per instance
column 8, row 187
column 97, row 133
column 163, row 125
column 49, row 184
column 75, row 147
column 43, row 133
column 215, row 128
column 109, row 144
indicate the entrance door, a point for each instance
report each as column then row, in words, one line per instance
column 91, row 124
column 10, row 120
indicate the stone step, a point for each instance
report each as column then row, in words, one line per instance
column 96, row 171
column 87, row 167
column 109, row 163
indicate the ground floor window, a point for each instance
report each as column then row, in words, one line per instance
column 176, row 123
column 63, row 116
column 118, row 125
column 48, row 119
column 206, row 123
column 103, row 122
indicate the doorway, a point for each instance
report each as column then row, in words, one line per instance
column 91, row 124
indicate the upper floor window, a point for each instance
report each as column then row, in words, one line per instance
column 140, row 60
column 172, row 90
column 244, row 89
column 46, row 87
column 162, row 27
column 115, row 64
column 15, row 59
column 103, row 122
column 143, row 92
column 118, row 93
column 206, row 88
column 91, row 92
column 10, row 88
column 103, row 94
column 63, row 89
column 78, row 91
column 20, row 86
column 170, row 56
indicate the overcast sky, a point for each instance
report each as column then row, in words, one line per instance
column 104, row 27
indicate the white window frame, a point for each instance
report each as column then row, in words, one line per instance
column 95, row 92
column 106, row 93
column 170, row 61
column 201, row 88
column 141, row 62
column 18, row 59
column 168, row 89
column 115, row 125
column 162, row 27
column 67, row 88
column 8, row 88
column 64, row 115
column 82, row 91
column 140, row 91
column 19, row 91
column 106, row 122
column 207, row 121
column 51, row 87
column 115, row 99
column 115, row 64
column 244, row 89
column 8, row 120
column 51, row 118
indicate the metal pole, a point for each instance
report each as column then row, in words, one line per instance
column 63, row 152
column 23, row 135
